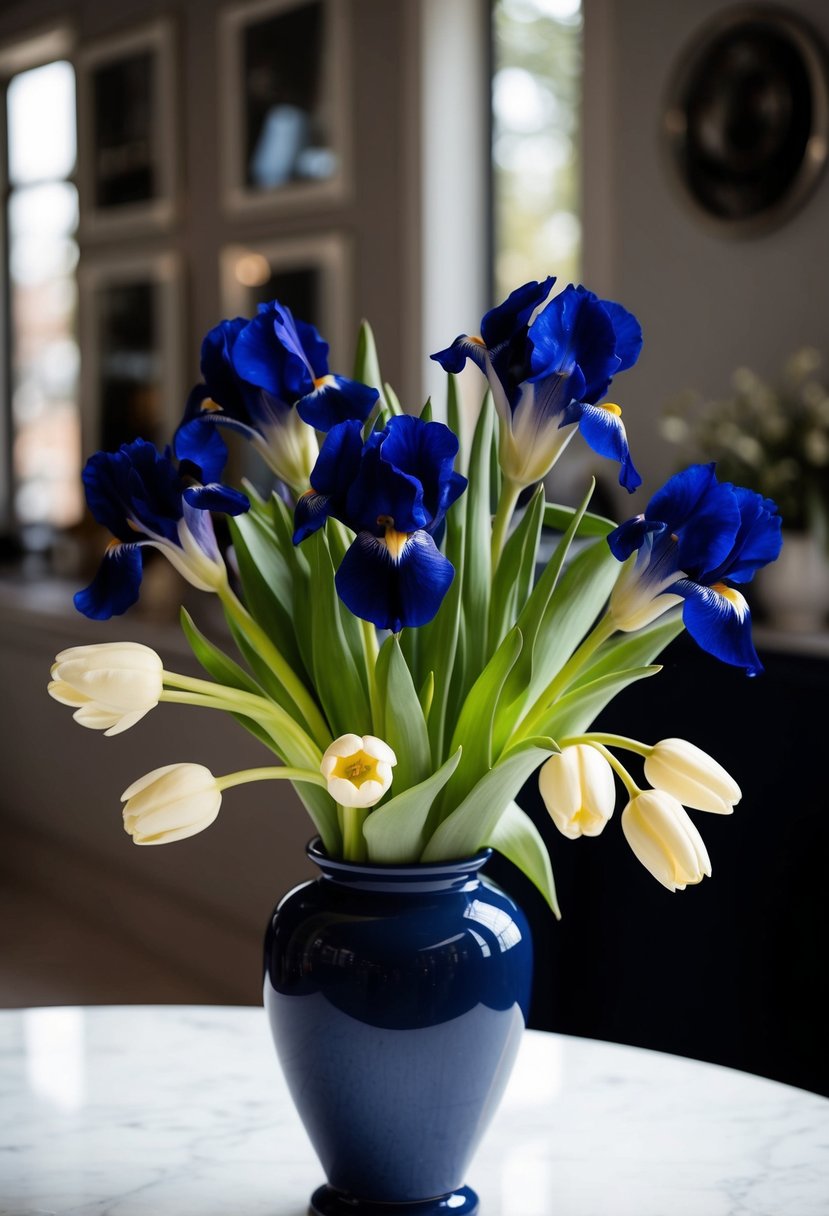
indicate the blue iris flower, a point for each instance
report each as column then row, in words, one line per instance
column 143, row 499
column 696, row 538
column 268, row 379
column 548, row 376
column 393, row 492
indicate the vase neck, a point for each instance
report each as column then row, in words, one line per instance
column 415, row 878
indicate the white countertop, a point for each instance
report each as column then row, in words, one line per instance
column 182, row 1111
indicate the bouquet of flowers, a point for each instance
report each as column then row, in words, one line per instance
column 398, row 648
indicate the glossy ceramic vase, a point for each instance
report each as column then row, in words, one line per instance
column 397, row 996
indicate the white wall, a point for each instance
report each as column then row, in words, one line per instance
column 707, row 304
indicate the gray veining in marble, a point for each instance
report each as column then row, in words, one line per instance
column 182, row 1111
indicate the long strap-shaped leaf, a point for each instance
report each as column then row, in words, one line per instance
column 573, row 713
column 560, row 518
column 268, row 582
column 394, row 831
column 336, row 676
column 513, row 579
column 469, row 826
column 626, row 650
column 478, row 535
column 399, row 716
column 473, row 730
column 516, row 837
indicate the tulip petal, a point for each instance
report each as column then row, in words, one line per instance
column 394, row 592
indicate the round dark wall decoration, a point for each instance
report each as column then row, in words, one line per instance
column 747, row 119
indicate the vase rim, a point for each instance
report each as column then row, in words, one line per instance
column 349, row 871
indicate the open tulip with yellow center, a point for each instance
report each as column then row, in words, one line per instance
column 358, row 770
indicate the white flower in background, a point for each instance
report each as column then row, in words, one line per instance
column 358, row 770
column 171, row 803
column 110, row 685
column 659, row 830
column 578, row 789
column 692, row 776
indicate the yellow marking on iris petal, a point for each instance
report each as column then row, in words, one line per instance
column 114, row 544
column 394, row 541
column 209, row 406
column 323, row 381
column 357, row 768
column 611, row 408
column 734, row 597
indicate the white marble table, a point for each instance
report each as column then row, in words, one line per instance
column 182, row 1111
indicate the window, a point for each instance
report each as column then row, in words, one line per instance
column 537, row 63
column 41, row 253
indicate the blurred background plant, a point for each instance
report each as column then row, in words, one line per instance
column 772, row 436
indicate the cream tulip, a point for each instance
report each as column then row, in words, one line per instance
column 358, row 770
column 578, row 790
column 171, row 803
column 110, row 685
column 659, row 830
column 692, row 776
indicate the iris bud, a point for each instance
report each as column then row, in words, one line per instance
column 358, row 770
column 692, row 776
column 171, row 803
column 110, row 685
column 659, row 830
column 578, row 790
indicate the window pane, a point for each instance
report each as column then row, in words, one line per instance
column 288, row 136
column 46, row 426
column 41, row 124
column 535, row 98
column 126, row 169
column 129, row 359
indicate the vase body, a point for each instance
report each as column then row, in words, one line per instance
column 397, row 996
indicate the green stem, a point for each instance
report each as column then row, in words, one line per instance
column 270, row 773
column 286, row 675
column 500, row 524
column 354, row 842
column 628, row 745
column 533, row 720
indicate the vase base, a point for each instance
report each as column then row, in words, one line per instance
column 326, row 1201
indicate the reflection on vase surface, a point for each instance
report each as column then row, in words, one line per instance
column 397, row 997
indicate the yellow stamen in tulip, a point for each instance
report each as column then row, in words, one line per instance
column 357, row 768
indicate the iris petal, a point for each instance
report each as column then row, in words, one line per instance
column 260, row 358
column 758, row 541
column 216, row 497
column 310, row 513
column 115, row 587
column 502, row 323
column 394, row 593
column 217, row 368
column 704, row 512
column 604, row 431
column 628, row 333
column 335, row 400
column 719, row 620
column 454, row 358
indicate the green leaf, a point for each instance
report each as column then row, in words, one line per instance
column 478, row 540
column 404, row 726
column 394, row 831
column 339, row 539
column 454, row 418
column 474, row 725
column 469, row 826
column 438, row 651
column 573, row 713
column 366, row 363
column 560, row 518
column 268, row 582
column 323, row 811
column 392, row 400
column 516, row 837
column 626, row 650
column 214, row 661
column 426, row 412
column 427, row 692
column 514, row 576
column 337, row 679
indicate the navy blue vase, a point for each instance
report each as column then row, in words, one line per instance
column 397, row 996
